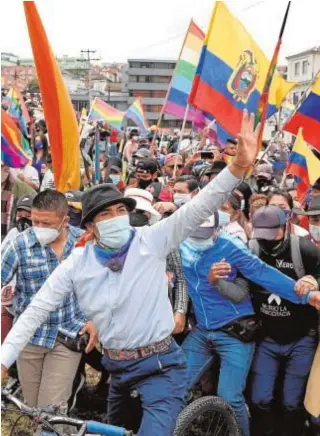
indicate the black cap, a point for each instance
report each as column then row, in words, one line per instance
column 147, row 166
column 232, row 141
column 74, row 196
column 25, row 202
column 95, row 199
column 313, row 209
column 215, row 168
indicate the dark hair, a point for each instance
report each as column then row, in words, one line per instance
column 51, row 200
column 191, row 182
column 281, row 193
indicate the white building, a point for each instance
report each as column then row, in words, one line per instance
column 73, row 83
column 303, row 68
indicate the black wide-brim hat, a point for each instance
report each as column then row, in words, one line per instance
column 98, row 198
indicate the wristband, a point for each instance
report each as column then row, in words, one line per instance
column 241, row 167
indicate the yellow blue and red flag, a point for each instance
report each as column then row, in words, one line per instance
column 304, row 165
column 232, row 73
column 307, row 116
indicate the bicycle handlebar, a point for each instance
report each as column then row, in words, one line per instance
column 48, row 415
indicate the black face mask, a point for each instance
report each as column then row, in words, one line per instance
column 270, row 246
column 23, row 224
column 143, row 184
column 263, row 185
column 138, row 219
column 75, row 218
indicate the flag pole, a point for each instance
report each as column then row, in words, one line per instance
column 173, row 74
column 180, row 139
column 261, row 114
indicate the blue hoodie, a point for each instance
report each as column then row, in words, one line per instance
column 212, row 309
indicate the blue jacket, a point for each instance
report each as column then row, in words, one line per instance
column 213, row 310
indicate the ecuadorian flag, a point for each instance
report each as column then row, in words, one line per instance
column 307, row 116
column 231, row 73
column 304, row 165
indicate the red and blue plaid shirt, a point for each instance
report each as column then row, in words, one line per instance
column 32, row 265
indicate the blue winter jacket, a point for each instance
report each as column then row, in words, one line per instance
column 213, row 310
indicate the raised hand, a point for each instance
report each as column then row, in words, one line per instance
column 247, row 149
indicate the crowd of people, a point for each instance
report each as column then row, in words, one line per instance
column 180, row 265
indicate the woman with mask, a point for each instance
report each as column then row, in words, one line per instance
column 313, row 215
column 232, row 218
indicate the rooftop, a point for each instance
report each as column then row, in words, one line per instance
column 305, row 52
column 173, row 61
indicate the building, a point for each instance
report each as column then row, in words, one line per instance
column 303, row 68
column 17, row 75
column 80, row 99
column 150, row 80
column 9, row 59
column 72, row 82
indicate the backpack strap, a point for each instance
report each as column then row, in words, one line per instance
column 296, row 256
column 254, row 247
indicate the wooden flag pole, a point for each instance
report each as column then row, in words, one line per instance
column 180, row 139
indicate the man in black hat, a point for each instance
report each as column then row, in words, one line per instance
column 313, row 214
column 120, row 283
column 146, row 172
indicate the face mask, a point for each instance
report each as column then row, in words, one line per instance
column 224, row 218
column 181, row 199
column 263, row 185
column 315, row 232
column 269, row 246
column 23, row 223
column 290, row 183
column 115, row 178
column 138, row 219
column 143, row 184
column 4, row 176
column 200, row 244
column 135, row 138
column 75, row 218
column 115, row 232
column 46, row 235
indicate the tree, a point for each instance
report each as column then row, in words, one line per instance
column 33, row 86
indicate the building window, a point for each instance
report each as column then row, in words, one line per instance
column 133, row 78
column 135, row 65
column 295, row 97
column 296, row 68
column 305, row 65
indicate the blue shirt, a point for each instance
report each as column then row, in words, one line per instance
column 212, row 309
column 32, row 264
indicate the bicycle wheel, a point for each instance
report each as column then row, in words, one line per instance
column 207, row 416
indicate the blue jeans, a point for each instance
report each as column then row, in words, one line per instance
column 161, row 382
column 235, row 356
column 297, row 356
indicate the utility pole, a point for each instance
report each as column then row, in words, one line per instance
column 88, row 60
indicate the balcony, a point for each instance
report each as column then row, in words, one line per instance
column 150, row 72
column 148, row 86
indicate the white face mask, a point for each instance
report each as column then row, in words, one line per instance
column 46, row 235
column 135, row 138
column 181, row 199
column 114, row 232
column 224, row 218
column 200, row 244
column 315, row 232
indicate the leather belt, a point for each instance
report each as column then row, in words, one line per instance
column 138, row 353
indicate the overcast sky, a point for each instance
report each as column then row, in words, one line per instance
column 122, row 29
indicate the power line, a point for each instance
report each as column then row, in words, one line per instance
column 88, row 59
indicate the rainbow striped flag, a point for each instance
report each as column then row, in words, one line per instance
column 136, row 114
column 177, row 98
column 102, row 111
column 17, row 109
column 59, row 113
column 12, row 153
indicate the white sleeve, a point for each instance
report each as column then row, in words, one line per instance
column 167, row 234
column 47, row 299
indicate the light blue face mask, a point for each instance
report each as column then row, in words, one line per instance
column 115, row 178
column 114, row 232
column 224, row 218
column 200, row 244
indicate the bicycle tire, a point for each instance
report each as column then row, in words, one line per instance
column 207, row 404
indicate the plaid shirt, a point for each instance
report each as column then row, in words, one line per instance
column 32, row 265
column 178, row 293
